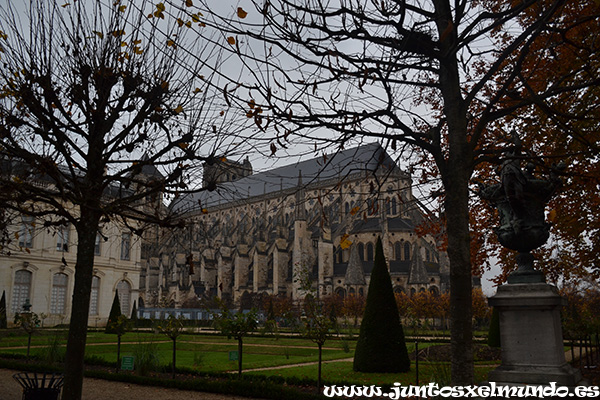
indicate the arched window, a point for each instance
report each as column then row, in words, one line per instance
column 124, row 293
column 94, row 295
column 398, row 250
column 21, row 290
column 434, row 291
column 351, row 292
column 407, row 251
column 370, row 251
column 340, row 292
column 427, row 255
column 394, row 206
column 58, row 301
column 347, row 208
column 398, row 289
column 361, row 292
column 361, row 251
column 413, row 291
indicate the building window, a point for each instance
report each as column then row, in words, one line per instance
column 361, row 251
column 21, row 290
column 398, row 251
column 97, row 244
column 94, row 295
column 394, row 206
column 62, row 239
column 370, row 252
column 58, row 301
column 27, row 230
column 406, row 251
column 125, row 246
column 124, row 293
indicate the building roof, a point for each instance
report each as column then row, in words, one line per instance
column 369, row 157
column 355, row 274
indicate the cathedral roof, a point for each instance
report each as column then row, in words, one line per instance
column 369, row 157
column 354, row 273
column 418, row 271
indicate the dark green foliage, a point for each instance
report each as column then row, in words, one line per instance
column 115, row 312
column 134, row 312
column 494, row 332
column 381, row 346
column 3, row 320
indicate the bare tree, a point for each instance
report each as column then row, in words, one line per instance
column 443, row 77
column 94, row 95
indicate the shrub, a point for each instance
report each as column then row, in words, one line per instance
column 381, row 346
column 494, row 332
column 146, row 358
column 115, row 312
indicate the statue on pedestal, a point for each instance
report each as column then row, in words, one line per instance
column 521, row 198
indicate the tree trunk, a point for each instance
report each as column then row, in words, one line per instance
column 240, row 357
column 174, row 356
column 28, row 344
column 118, row 352
column 319, row 376
column 86, row 232
column 456, row 167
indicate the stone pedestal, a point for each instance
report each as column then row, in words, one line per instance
column 531, row 336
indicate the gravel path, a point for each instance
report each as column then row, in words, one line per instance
column 98, row 389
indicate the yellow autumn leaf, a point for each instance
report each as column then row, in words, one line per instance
column 118, row 32
column 137, row 50
column 188, row 3
column 123, row 44
column 204, row 211
column 99, row 34
column 179, row 109
column 180, row 22
column 65, row 5
column 223, row 159
column 160, row 7
column 354, row 210
column 122, row 8
column 195, row 18
column 231, row 40
column 197, row 90
column 344, row 242
column 188, row 24
column 170, row 43
column 183, row 146
column 241, row 13
column 138, row 41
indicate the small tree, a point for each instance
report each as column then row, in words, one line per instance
column 381, row 346
column 317, row 327
column 115, row 312
column 29, row 321
column 236, row 325
column 119, row 326
column 172, row 327
column 3, row 321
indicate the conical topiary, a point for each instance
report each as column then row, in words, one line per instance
column 381, row 346
column 3, row 321
column 115, row 312
column 494, row 332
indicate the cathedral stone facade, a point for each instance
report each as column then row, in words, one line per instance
column 257, row 233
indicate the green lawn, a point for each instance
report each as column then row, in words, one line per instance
column 210, row 353
column 342, row 372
